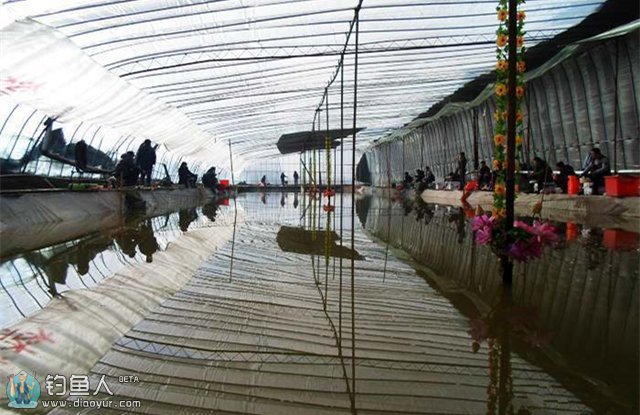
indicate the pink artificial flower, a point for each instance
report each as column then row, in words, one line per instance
column 524, row 250
column 483, row 226
column 483, row 236
column 545, row 232
column 524, row 226
column 482, row 221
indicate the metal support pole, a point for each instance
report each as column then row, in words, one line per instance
column 353, row 225
column 615, row 112
column 476, row 162
column 507, row 265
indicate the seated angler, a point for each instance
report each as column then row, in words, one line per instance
column 484, row 176
column 210, row 179
column 597, row 169
column 562, row 178
column 126, row 173
column 185, row 177
column 407, row 179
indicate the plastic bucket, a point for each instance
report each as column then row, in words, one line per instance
column 573, row 185
column 224, row 183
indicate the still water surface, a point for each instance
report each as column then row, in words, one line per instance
column 433, row 331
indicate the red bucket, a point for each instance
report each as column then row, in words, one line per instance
column 621, row 186
column 573, row 185
column 224, row 183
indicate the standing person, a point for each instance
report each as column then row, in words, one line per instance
column 562, row 178
column 282, row 179
column 145, row 159
column 296, row 177
column 185, row 176
column 597, row 169
column 263, row 181
column 461, row 170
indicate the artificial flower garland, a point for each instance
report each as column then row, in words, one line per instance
column 501, row 113
column 525, row 241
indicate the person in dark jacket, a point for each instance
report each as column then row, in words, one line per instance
column 461, row 169
column 296, row 178
column 127, row 172
column 597, row 169
column 185, row 177
column 484, row 176
column 562, row 178
column 541, row 173
column 407, row 179
column 429, row 177
column 145, row 159
column 210, row 179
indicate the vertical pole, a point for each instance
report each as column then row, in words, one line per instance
column 327, row 138
column 615, row 114
column 476, row 163
column 341, row 199
column 233, row 181
column 507, row 265
column 353, row 225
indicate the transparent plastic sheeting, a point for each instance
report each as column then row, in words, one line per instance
column 190, row 72
column 569, row 110
column 47, row 71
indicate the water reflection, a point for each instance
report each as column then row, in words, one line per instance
column 30, row 279
column 316, row 242
column 186, row 217
column 573, row 312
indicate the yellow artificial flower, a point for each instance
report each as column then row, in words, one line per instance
column 519, row 139
column 501, row 89
column 503, row 14
column 520, row 66
column 502, row 65
column 497, row 115
column 499, row 139
column 496, row 165
column 521, row 15
column 519, row 41
column 519, row 91
column 502, row 40
column 498, row 213
column 519, row 116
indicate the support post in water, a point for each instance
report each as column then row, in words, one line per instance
column 507, row 264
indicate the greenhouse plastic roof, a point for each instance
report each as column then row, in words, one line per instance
column 194, row 74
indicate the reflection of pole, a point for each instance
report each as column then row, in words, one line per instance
column 505, row 383
column 233, row 181
column 233, row 241
column 507, row 265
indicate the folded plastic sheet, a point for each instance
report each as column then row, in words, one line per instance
column 61, row 80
